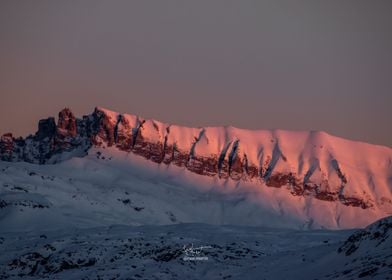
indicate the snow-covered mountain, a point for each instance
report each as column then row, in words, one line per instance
column 99, row 169
column 114, row 196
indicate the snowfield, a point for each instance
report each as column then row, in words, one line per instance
column 219, row 252
column 109, row 187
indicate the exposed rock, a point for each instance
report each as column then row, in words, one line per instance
column 151, row 148
column 203, row 165
column 123, row 134
column 46, row 129
column 377, row 234
column 236, row 168
column 66, row 125
column 355, row 202
column 6, row 146
column 278, row 180
column 252, row 171
column 180, row 158
column 104, row 126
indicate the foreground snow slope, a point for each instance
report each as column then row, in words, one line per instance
column 230, row 252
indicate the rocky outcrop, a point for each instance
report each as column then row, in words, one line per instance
column 376, row 234
column 366, row 254
column 66, row 126
column 154, row 141
column 6, row 146
column 50, row 139
column 103, row 128
column 123, row 136
column 46, row 129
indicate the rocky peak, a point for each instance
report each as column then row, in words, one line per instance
column 67, row 123
column 6, row 146
column 105, row 123
column 6, row 137
column 46, row 128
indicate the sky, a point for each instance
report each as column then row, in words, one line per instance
column 297, row 65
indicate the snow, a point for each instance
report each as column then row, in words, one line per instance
column 113, row 116
column 91, row 191
column 162, row 252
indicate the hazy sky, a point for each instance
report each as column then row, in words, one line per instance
column 301, row 65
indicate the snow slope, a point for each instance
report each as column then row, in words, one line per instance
column 197, row 251
column 109, row 187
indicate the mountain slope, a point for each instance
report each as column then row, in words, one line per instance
column 306, row 179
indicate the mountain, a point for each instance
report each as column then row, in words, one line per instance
column 235, row 176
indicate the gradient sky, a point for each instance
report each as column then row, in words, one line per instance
column 300, row 65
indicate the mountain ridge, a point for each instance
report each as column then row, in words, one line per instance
column 309, row 164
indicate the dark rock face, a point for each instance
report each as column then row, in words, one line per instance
column 6, row 146
column 180, row 158
column 104, row 126
column 146, row 138
column 378, row 233
column 148, row 148
column 355, row 202
column 203, row 165
column 66, row 137
column 252, row 171
column 123, row 135
column 367, row 253
column 46, row 129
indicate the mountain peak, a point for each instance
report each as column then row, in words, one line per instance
column 46, row 128
column 66, row 125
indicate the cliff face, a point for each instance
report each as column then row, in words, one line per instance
column 310, row 164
